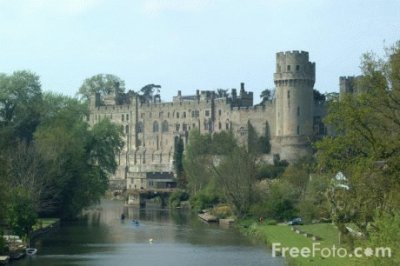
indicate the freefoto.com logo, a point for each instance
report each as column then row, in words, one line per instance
column 329, row 252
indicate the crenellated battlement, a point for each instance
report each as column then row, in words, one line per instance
column 293, row 53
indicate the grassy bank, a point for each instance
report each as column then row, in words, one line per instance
column 283, row 234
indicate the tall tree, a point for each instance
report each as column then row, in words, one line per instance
column 367, row 147
column 20, row 103
column 265, row 96
column 101, row 83
column 148, row 91
column 236, row 176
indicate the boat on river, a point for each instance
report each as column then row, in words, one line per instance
column 31, row 251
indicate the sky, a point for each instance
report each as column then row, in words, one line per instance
column 190, row 44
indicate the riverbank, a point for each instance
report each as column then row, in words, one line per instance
column 281, row 236
column 16, row 247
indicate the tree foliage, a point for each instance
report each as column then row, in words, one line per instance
column 236, row 175
column 265, row 96
column 367, row 147
column 101, row 83
column 51, row 162
column 20, row 106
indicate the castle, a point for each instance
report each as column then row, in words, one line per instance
column 290, row 119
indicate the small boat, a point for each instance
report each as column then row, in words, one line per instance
column 30, row 251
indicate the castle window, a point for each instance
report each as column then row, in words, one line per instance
column 194, row 125
column 122, row 118
column 127, row 117
column 160, row 114
column 155, row 126
column 111, row 116
column 184, row 114
column 168, row 115
column 288, row 94
column 139, row 127
column 298, row 130
column 297, row 67
column 126, row 129
column 288, row 68
column 177, row 126
column 219, row 126
column 164, row 126
column 207, row 113
column 177, row 115
column 184, row 127
column 298, row 110
column 219, row 112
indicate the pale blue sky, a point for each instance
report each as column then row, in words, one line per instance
column 189, row 44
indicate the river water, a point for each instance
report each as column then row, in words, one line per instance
column 178, row 238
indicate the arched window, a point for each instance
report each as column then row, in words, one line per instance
column 155, row 126
column 139, row 127
column 164, row 126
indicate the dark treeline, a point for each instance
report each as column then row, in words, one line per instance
column 51, row 163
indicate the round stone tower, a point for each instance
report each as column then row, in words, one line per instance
column 294, row 80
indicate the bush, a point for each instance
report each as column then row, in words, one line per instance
column 203, row 200
column 222, row 211
column 271, row 171
column 176, row 198
column 271, row 222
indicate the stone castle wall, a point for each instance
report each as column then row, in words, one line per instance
column 150, row 128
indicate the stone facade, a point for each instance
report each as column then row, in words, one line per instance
column 150, row 128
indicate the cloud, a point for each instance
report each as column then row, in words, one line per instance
column 155, row 7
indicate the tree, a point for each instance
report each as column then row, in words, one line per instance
column 178, row 162
column 77, row 160
column 197, row 161
column 101, row 83
column 367, row 147
column 22, row 213
column 236, row 177
column 318, row 97
column 20, row 103
column 147, row 92
column 222, row 93
column 265, row 96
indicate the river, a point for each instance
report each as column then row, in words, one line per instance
column 178, row 238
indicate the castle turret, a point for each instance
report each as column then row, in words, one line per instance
column 294, row 80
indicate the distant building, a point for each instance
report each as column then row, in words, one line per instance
column 291, row 118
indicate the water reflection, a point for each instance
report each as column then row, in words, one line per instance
column 179, row 238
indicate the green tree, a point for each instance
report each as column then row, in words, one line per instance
column 20, row 103
column 223, row 143
column 22, row 213
column 197, row 161
column 178, row 162
column 318, row 97
column 101, row 83
column 366, row 147
column 147, row 92
column 235, row 177
column 265, row 96
column 77, row 160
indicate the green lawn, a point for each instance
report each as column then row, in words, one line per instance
column 287, row 238
column 45, row 222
